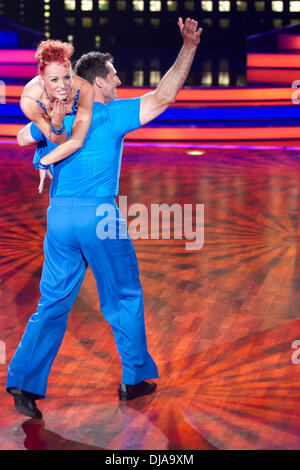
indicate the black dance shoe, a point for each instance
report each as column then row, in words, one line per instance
column 129, row 392
column 25, row 403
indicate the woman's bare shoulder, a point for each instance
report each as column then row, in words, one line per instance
column 34, row 88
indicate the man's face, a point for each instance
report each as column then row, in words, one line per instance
column 110, row 83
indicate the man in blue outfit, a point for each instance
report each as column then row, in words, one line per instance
column 82, row 184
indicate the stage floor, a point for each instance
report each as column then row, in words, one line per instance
column 221, row 321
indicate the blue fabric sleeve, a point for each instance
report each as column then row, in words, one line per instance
column 36, row 134
column 124, row 115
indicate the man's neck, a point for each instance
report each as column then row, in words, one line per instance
column 100, row 99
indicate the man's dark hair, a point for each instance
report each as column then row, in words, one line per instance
column 93, row 65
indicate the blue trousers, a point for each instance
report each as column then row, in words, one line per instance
column 73, row 241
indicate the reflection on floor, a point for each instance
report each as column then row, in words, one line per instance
column 221, row 321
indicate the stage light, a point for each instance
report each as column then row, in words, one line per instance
column 155, row 5
column 70, row 21
column 138, row 5
column 97, row 41
column 195, row 153
column 207, row 5
column 224, row 22
column 224, row 79
column 87, row 22
column 259, row 6
column 207, row 21
column 103, row 4
column 224, row 6
column 189, row 6
column 277, row 23
column 155, row 22
column 277, row 6
column 242, row 6
column 86, row 5
column 207, row 79
column 70, row 5
column 295, row 7
column 172, row 5
column 138, row 78
column 155, row 77
column 121, row 5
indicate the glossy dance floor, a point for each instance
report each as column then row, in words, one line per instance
column 221, row 321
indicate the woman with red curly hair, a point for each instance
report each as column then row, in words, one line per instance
column 55, row 93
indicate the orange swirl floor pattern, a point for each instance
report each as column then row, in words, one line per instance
column 221, row 321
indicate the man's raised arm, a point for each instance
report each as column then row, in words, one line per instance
column 155, row 102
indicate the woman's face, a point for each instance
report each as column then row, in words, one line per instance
column 57, row 79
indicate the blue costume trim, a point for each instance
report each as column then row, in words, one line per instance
column 75, row 106
column 43, row 167
column 42, row 106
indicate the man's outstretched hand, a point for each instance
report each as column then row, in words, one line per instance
column 190, row 31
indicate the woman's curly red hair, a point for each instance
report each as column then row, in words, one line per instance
column 53, row 50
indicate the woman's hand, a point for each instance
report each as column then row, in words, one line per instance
column 43, row 174
column 58, row 113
